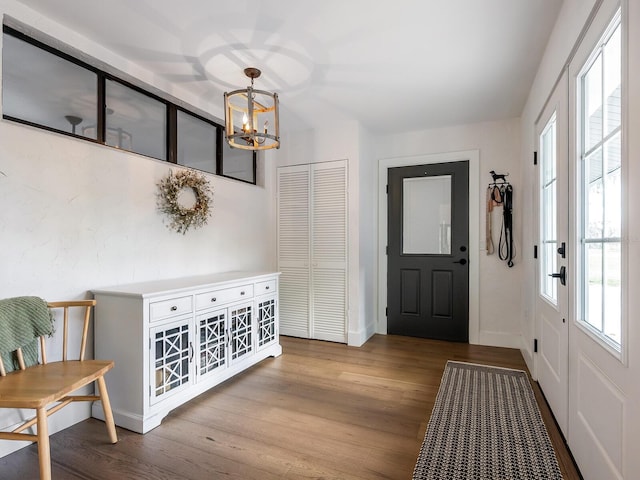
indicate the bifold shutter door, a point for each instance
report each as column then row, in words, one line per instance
column 329, row 251
column 293, row 249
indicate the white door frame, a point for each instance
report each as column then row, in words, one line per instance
column 473, row 156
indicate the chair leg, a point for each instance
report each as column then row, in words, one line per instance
column 44, row 455
column 106, row 407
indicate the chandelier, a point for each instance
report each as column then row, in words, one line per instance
column 258, row 109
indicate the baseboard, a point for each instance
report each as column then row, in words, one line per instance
column 358, row 338
column 498, row 339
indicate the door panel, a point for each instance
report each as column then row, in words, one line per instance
column 552, row 296
column 428, row 235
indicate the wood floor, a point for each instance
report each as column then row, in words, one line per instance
column 320, row 411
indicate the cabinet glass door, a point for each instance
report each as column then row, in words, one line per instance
column 267, row 332
column 212, row 352
column 241, row 331
column 170, row 351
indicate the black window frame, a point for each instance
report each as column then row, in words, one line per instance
column 171, row 134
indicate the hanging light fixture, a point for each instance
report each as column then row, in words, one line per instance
column 258, row 109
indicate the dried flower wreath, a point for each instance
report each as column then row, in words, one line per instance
column 182, row 218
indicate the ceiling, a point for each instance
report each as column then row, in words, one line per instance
column 392, row 66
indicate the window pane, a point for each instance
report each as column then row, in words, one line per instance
column 239, row 164
column 45, row 89
column 426, row 211
column 196, row 143
column 135, row 121
column 612, row 291
column 613, row 189
column 594, row 196
column 592, row 84
column 612, row 81
column 593, row 290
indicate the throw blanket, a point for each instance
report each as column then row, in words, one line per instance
column 22, row 321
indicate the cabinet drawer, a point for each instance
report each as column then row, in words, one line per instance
column 227, row 295
column 169, row 308
column 269, row 286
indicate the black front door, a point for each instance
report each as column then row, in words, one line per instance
column 428, row 258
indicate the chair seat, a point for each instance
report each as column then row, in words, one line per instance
column 40, row 385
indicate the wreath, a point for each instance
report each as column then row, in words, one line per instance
column 182, row 218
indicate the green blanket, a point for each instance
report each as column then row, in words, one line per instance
column 22, row 321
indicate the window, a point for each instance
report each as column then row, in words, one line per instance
column 197, row 143
column 548, row 210
column 238, row 164
column 135, row 121
column 600, row 222
column 46, row 88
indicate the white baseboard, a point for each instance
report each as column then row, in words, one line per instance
column 498, row 339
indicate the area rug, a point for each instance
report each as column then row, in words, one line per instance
column 485, row 425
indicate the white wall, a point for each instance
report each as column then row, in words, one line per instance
column 77, row 216
column 499, row 147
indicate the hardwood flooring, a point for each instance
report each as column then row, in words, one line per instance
column 320, row 411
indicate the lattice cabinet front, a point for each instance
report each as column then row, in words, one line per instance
column 267, row 322
column 172, row 352
column 212, row 341
column 241, row 331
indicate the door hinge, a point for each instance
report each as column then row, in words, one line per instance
column 386, row 311
column 535, row 158
column 535, row 251
column 387, row 250
column 387, row 188
column 535, row 345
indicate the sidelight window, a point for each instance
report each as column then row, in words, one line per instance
column 600, row 190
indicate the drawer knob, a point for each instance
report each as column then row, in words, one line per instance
column 267, row 287
column 174, row 308
column 242, row 293
column 213, row 299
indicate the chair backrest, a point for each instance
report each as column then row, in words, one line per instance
column 84, row 307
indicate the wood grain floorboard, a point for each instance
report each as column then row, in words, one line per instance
column 320, row 411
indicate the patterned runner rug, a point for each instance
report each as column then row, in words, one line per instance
column 485, row 425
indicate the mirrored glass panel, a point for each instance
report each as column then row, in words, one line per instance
column 135, row 121
column 426, row 210
column 45, row 89
column 196, row 143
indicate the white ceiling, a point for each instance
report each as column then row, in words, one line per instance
column 393, row 66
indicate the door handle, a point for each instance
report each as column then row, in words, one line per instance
column 462, row 261
column 562, row 275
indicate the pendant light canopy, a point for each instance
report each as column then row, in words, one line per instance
column 251, row 117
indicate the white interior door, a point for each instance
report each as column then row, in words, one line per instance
column 603, row 417
column 293, row 249
column 552, row 325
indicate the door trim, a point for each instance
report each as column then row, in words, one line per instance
column 473, row 156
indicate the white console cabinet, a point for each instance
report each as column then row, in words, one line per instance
column 174, row 339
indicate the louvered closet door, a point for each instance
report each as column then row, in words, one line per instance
column 293, row 249
column 329, row 251
column 312, row 250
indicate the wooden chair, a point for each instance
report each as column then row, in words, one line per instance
column 39, row 386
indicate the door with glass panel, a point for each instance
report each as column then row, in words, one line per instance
column 553, row 281
column 428, row 270
column 603, row 435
